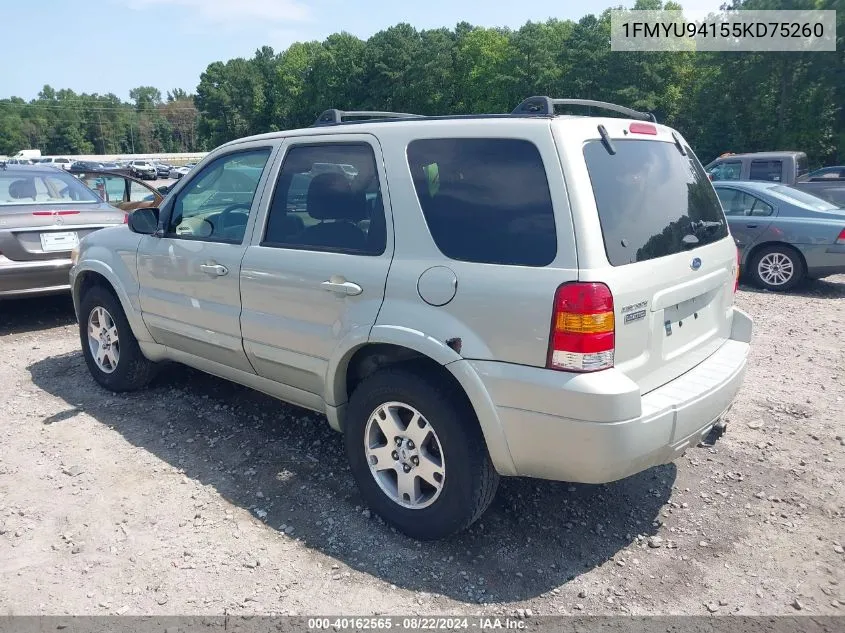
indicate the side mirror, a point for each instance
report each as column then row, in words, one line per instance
column 144, row 221
column 165, row 189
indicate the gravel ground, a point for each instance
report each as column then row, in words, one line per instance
column 201, row 497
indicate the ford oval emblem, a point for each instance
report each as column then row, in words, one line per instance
column 695, row 264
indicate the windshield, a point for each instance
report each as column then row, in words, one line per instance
column 802, row 199
column 652, row 200
column 42, row 189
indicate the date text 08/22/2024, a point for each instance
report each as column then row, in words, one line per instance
column 416, row 623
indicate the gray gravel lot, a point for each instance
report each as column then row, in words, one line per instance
column 202, row 497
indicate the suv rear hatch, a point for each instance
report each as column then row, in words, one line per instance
column 649, row 226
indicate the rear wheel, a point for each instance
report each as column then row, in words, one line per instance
column 417, row 453
column 110, row 348
column 778, row 267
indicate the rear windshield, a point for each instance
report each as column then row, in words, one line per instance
column 51, row 187
column 652, row 200
column 802, row 198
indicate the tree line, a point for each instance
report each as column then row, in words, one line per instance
column 64, row 122
column 719, row 101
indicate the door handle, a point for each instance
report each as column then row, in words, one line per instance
column 214, row 269
column 342, row 287
column 751, row 226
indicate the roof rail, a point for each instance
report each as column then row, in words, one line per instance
column 333, row 116
column 544, row 106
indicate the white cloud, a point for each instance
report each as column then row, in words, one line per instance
column 228, row 11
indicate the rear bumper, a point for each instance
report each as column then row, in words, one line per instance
column 824, row 260
column 617, row 432
column 24, row 279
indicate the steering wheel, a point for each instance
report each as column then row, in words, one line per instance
column 231, row 209
column 228, row 211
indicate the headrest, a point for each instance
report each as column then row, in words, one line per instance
column 24, row 188
column 330, row 197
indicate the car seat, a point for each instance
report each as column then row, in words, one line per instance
column 331, row 200
column 23, row 189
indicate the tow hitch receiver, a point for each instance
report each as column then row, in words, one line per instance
column 715, row 433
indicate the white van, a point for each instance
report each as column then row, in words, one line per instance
column 32, row 154
column 60, row 162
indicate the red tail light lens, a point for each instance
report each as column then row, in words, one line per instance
column 582, row 335
column 642, row 128
column 738, row 260
column 126, row 218
column 841, row 238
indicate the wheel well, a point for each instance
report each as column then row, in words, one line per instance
column 371, row 358
column 759, row 247
column 89, row 279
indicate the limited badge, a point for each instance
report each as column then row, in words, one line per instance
column 635, row 316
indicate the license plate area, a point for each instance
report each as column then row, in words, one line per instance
column 689, row 323
column 59, row 241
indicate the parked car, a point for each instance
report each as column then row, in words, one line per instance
column 788, row 168
column 477, row 317
column 178, row 172
column 124, row 192
column 835, row 172
column 162, row 169
column 83, row 166
column 784, row 234
column 143, row 169
column 44, row 212
column 56, row 161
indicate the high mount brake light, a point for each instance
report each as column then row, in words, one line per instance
column 642, row 128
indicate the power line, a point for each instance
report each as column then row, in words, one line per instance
column 81, row 106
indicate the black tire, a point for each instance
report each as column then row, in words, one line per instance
column 779, row 251
column 470, row 480
column 132, row 370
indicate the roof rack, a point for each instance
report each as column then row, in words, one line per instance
column 333, row 116
column 545, row 106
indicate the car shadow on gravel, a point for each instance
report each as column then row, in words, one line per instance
column 287, row 467
column 811, row 288
column 18, row 316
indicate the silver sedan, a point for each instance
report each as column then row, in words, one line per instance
column 44, row 212
column 784, row 234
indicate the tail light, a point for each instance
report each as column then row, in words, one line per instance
column 126, row 218
column 841, row 238
column 582, row 335
column 738, row 260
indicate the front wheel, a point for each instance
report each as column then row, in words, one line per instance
column 417, row 453
column 110, row 348
column 777, row 267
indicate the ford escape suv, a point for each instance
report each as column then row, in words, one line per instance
column 463, row 297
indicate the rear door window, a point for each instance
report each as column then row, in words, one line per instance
column 770, row 170
column 736, row 202
column 485, row 200
column 652, row 200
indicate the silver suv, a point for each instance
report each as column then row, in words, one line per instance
column 463, row 297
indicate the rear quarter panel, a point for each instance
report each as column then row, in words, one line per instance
column 498, row 312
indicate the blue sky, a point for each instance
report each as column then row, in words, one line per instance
column 115, row 45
